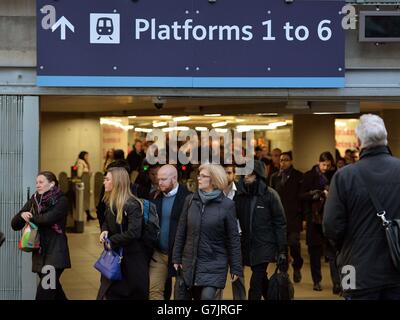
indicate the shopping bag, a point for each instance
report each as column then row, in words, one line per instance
column 29, row 240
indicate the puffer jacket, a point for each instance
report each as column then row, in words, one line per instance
column 207, row 241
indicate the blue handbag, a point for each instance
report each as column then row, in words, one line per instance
column 109, row 263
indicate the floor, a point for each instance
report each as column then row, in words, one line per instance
column 82, row 281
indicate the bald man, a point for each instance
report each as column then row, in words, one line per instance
column 169, row 207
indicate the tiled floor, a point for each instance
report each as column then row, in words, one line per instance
column 82, row 281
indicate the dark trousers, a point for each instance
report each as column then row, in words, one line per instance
column 204, row 293
column 295, row 249
column 51, row 294
column 334, row 271
column 256, row 281
column 315, row 253
column 383, row 294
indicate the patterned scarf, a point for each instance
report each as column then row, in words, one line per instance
column 47, row 200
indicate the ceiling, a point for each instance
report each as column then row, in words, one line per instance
column 144, row 105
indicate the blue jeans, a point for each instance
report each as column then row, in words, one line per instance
column 383, row 294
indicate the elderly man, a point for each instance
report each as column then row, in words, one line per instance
column 169, row 207
column 350, row 221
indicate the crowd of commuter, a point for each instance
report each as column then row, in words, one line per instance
column 226, row 222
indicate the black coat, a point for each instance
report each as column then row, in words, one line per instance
column 173, row 224
column 54, row 249
column 135, row 264
column 263, row 223
column 290, row 197
column 350, row 220
column 135, row 160
column 207, row 241
column 311, row 181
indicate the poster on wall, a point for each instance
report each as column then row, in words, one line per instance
column 114, row 134
column 345, row 135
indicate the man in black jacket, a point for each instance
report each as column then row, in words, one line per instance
column 350, row 221
column 169, row 208
column 263, row 223
column 287, row 182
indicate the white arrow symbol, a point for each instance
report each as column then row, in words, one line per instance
column 63, row 22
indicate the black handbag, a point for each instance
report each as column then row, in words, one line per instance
column 391, row 227
column 181, row 291
column 279, row 287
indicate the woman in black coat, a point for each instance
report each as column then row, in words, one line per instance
column 123, row 228
column 207, row 238
column 48, row 209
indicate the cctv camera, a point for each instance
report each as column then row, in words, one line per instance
column 159, row 102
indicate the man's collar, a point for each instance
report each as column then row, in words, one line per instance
column 173, row 192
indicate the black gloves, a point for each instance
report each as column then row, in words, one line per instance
column 282, row 262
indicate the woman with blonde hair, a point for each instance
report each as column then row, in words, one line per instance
column 123, row 230
column 207, row 239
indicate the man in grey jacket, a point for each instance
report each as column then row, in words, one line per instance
column 350, row 220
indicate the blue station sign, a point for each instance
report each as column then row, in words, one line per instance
column 190, row 44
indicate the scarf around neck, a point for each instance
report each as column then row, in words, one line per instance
column 206, row 197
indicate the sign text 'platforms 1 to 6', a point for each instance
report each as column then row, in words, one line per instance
column 190, row 44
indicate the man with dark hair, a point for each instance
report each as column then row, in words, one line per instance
column 136, row 156
column 287, row 182
column 119, row 154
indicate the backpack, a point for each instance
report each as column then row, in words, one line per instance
column 151, row 226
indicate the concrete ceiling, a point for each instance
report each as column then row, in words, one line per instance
column 143, row 105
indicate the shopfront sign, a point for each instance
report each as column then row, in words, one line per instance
column 186, row 44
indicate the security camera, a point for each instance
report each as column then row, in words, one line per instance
column 159, row 102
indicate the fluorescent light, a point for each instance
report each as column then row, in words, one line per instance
column 114, row 123
column 213, row 115
column 201, row 128
column 131, row 117
column 278, row 124
column 143, row 130
column 175, row 129
column 221, row 130
column 159, row 124
column 166, row 116
column 323, row 112
column 267, row 114
column 177, row 119
column 254, row 127
column 240, row 120
column 219, row 124
column 340, row 124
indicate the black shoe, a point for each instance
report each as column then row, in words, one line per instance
column 317, row 287
column 2, row 238
column 296, row 275
column 336, row 289
column 89, row 217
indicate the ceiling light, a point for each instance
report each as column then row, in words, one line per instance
column 219, row 124
column 131, row 117
column 254, row 127
column 201, row 128
column 165, row 116
column 267, row 114
column 159, row 124
column 213, row 115
column 177, row 119
column 278, row 124
column 143, row 130
column 175, row 129
column 221, row 130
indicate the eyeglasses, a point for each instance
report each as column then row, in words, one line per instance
column 202, row 176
